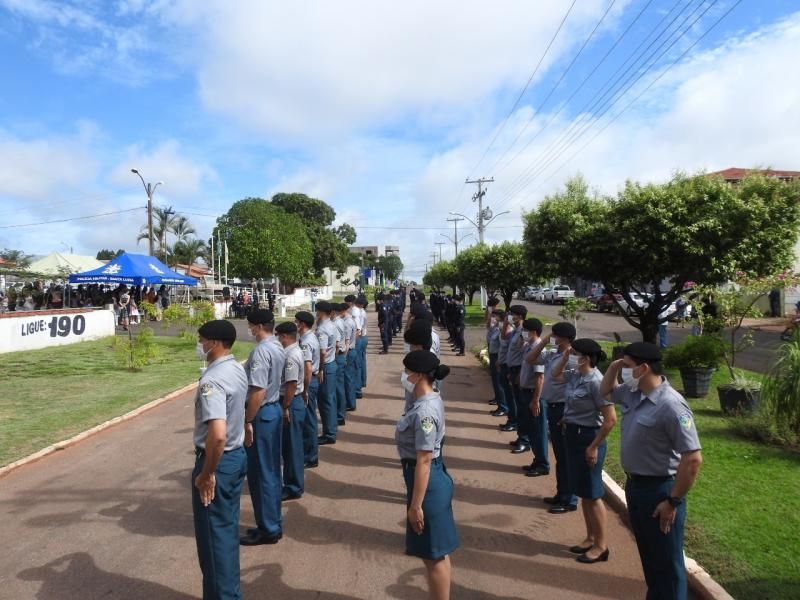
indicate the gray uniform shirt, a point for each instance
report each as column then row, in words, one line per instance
column 278, row 357
column 358, row 317
column 583, row 398
column 435, row 343
column 364, row 322
column 552, row 391
column 502, row 349
column 493, row 339
column 309, row 344
column 528, row 371
column 349, row 331
column 515, row 344
column 338, row 323
column 421, row 428
column 259, row 369
column 293, row 370
column 221, row 394
column 656, row 430
column 327, row 334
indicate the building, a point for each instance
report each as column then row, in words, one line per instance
column 365, row 251
column 734, row 175
column 391, row 251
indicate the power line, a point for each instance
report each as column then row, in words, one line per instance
column 116, row 212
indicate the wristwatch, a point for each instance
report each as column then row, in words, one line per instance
column 674, row 501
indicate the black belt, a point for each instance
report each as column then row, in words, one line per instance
column 579, row 428
column 412, row 462
column 201, row 452
column 554, row 403
column 653, row 478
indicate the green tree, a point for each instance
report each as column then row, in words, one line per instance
column 265, row 241
column 330, row 244
column 187, row 251
column 106, row 254
column 506, row 269
column 690, row 229
column 15, row 258
column 182, row 228
column 443, row 274
column 164, row 219
column 471, row 269
column 391, row 266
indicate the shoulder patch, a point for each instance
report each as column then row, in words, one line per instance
column 686, row 421
column 206, row 389
column 255, row 365
column 427, row 425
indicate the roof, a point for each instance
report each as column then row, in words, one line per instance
column 737, row 173
column 59, row 264
column 133, row 269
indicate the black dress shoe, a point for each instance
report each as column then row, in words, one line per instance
column 460, row 354
column 493, row 402
column 560, row 509
column 520, row 448
column 588, row 561
column 517, row 442
column 499, row 413
column 289, row 496
column 351, row 409
column 383, row 352
column 341, row 422
column 508, row 427
column 258, row 539
column 526, row 468
column 324, row 441
column 537, row 472
column 551, row 500
column 359, row 396
column 580, row 549
column 311, row 464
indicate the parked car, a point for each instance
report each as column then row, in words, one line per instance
column 604, row 302
column 542, row 295
column 559, row 294
column 531, row 293
column 640, row 300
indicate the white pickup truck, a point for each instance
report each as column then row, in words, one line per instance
column 559, row 294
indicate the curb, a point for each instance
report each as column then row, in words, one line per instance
column 700, row 582
column 94, row 430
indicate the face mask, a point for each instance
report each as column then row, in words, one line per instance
column 629, row 380
column 552, row 341
column 493, row 322
column 407, row 385
column 201, row 354
column 572, row 361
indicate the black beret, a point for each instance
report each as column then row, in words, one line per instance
column 361, row 301
column 421, row 361
column 350, row 298
column 305, row 317
column 518, row 309
column 379, row 296
column 459, row 297
column 565, row 330
column 493, row 301
column 342, row 307
column 324, row 306
column 221, row 330
column 425, row 316
column 644, row 351
column 418, row 309
column 287, row 327
column 260, row 317
column 498, row 313
column 586, row 347
column 532, row 325
column 419, row 333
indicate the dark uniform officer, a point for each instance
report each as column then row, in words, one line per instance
column 220, row 463
column 459, row 316
column 328, row 336
column 384, row 324
column 430, row 527
column 264, row 367
column 661, row 456
column 309, row 344
column 294, row 412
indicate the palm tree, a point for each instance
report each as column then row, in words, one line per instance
column 164, row 220
column 187, row 251
column 182, row 228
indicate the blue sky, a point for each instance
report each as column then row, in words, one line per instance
column 381, row 109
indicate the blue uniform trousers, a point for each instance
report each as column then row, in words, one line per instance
column 385, row 335
column 264, row 469
column 216, row 527
column 350, row 376
column 662, row 555
column 499, row 396
column 363, row 342
column 539, row 437
column 522, row 399
column 327, row 400
column 557, row 439
column 508, row 394
column 310, row 444
column 341, row 397
column 293, row 453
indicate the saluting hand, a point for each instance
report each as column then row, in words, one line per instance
column 248, row 434
column 305, row 398
column 665, row 513
column 206, row 484
column 417, row 519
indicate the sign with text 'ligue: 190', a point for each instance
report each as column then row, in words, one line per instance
column 31, row 331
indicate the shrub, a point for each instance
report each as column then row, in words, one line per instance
column 202, row 312
column 780, row 392
column 762, row 428
column 695, row 352
column 133, row 353
column 174, row 314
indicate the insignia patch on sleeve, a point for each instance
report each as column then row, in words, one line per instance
column 686, row 421
column 255, row 366
column 426, row 425
column 205, row 390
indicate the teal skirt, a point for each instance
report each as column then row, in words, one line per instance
column 439, row 537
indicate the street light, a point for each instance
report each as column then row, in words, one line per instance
column 149, row 189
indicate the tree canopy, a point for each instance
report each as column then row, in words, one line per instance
column 106, row 254
column 265, row 241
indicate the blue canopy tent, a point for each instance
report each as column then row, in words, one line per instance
column 133, row 269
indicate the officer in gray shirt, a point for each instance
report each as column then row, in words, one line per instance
column 661, row 455
column 220, row 463
column 514, row 364
column 309, row 344
column 351, row 357
column 328, row 335
column 506, row 331
column 341, row 363
column 294, row 412
column 263, row 430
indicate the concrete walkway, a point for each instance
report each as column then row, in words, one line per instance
column 111, row 517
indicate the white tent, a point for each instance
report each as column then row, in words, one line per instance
column 57, row 264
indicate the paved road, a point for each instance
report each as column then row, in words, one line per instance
column 111, row 516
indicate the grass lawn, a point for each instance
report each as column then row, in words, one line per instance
column 475, row 315
column 55, row 393
column 743, row 523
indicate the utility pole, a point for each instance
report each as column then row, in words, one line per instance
column 433, row 256
column 455, row 221
column 487, row 214
column 440, row 244
column 149, row 189
column 168, row 212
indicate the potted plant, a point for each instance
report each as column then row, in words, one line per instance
column 696, row 358
column 731, row 306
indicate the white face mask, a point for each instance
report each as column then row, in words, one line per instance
column 407, row 385
column 629, row 380
column 201, row 354
column 572, row 361
column 510, row 318
column 552, row 341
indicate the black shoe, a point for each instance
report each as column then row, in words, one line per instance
column 520, row 448
column 517, row 442
column 580, row 549
column 460, row 354
column 341, row 422
column 537, row 472
column 586, row 560
column 493, row 402
column 324, row 441
column 560, row 509
column 311, row 464
column 359, row 396
column 383, row 352
column 508, row 427
column 551, row 500
column 289, row 496
column 499, row 413
column 351, row 409
column 258, row 539
column 525, row 468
